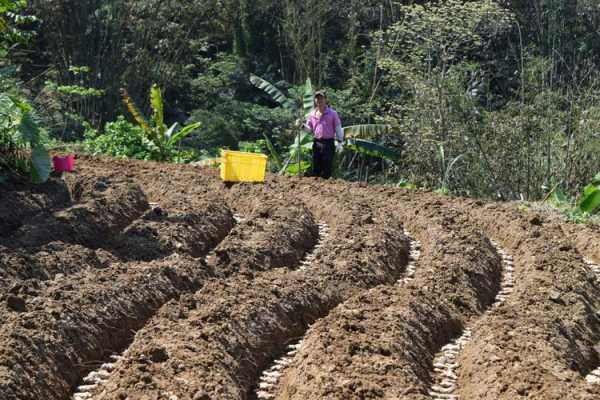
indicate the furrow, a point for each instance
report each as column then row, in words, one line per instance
column 446, row 362
column 96, row 378
column 321, row 243
column 381, row 343
column 413, row 257
column 91, row 223
column 22, row 201
column 70, row 324
column 593, row 377
column 269, row 379
column 540, row 342
column 232, row 328
column 268, row 383
column 270, row 237
column 67, row 241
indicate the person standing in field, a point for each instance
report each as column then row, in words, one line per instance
column 326, row 127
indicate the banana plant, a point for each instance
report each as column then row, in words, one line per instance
column 367, row 131
column 589, row 201
column 301, row 112
column 360, row 138
column 363, row 139
column 158, row 135
column 372, row 149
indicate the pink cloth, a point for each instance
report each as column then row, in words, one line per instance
column 324, row 127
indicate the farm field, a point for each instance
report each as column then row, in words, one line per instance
column 142, row 280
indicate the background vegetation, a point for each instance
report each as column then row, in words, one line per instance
column 485, row 98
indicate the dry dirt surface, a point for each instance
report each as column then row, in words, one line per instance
column 147, row 281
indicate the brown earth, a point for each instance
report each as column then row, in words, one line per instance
column 147, row 257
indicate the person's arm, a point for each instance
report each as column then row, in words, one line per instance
column 339, row 134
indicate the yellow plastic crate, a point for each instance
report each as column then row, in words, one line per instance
column 237, row 166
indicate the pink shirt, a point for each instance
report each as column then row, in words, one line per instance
column 324, row 127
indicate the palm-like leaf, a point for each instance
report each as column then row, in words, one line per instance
column 274, row 154
column 156, row 102
column 169, row 132
column 366, row 131
column 135, row 113
column 186, row 130
column 590, row 200
column 307, row 98
column 373, row 149
column 449, row 169
column 272, row 91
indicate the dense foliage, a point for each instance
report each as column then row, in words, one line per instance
column 485, row 98
column 22, row 141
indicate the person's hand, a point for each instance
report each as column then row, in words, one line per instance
column 339, row 146
column 298, row 123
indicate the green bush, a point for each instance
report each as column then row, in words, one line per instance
column 22, row 142
column 120, row 139
column 125, row 140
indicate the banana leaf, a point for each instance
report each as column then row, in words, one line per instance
column 590, row 200
column 293, row 168
column 372, row 149
column 137, row 115
column 308, row 98
column 366, row 131
column 274, row 154
column 302, row 143
column 183, row 132
column 272, row 91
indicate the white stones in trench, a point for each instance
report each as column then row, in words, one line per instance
column 237, row 218
column 445, row 364
column 413, row 256
column 95, row 379
column 269, row 379
column 593, row 377
column 311, row 257
column 93, row 382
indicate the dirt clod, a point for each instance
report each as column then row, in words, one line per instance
column 16, row 303
column 158, row 354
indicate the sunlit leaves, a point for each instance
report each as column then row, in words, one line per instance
column 156, row 132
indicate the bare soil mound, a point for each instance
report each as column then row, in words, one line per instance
column 200, row 287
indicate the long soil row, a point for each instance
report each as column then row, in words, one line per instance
column 380, row 344
column 233, row 328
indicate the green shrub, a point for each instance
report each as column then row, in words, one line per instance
column 125, row 140
column 22, row 142
column 120, row 139
column 162, row 140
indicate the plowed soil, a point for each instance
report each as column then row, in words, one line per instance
column 200, row 286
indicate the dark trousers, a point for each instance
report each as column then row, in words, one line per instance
column 323, row 151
